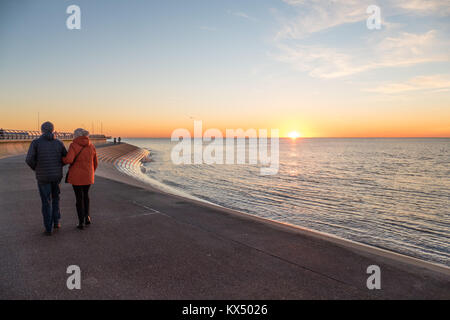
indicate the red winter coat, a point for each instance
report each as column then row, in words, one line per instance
column 82, row 171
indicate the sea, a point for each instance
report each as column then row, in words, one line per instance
column 391, row 193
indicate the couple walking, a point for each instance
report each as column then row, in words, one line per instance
column 47, row 156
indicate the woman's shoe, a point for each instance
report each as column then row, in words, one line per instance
column 87, row 220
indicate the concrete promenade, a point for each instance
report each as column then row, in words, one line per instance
column 144, row 244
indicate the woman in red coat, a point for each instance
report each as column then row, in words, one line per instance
column 82, row 158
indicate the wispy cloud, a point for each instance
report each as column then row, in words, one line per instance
column 325, row 62
column 313, row 16
column 437, row 83
column 242, row 15
column 316, row 15
column 441, row 7
column 391, row 47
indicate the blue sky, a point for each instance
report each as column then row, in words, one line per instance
column 306, row 65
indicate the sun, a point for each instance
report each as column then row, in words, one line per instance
column 294, row 135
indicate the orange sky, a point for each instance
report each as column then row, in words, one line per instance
column 145, row 119
column 133, row 126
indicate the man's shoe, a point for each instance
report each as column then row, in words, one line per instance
column 80, row 226
column 47, row 233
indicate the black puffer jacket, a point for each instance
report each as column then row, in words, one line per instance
column 45, row 157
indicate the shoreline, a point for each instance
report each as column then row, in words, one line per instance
column 113, row 173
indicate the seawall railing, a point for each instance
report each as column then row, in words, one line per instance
column 8, row 134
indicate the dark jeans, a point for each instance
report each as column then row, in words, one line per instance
column 49, row 193
column 82, row 197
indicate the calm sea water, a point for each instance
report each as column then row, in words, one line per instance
column 389, row 193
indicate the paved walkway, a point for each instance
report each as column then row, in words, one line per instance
column 147, row 245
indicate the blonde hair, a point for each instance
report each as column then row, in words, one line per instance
column 80, row 132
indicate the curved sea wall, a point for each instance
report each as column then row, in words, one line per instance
column 15, row 147
column 124, row 157
column 130, row 160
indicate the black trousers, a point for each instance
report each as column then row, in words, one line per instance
column 82, row 197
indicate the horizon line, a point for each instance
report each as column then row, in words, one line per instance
column 299, row 138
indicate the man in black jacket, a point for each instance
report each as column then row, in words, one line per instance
column 45, row 158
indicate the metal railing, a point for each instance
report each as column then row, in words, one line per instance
column 7, row 134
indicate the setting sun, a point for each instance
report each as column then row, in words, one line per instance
column 294, row 135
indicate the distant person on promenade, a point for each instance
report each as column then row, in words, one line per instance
column 120, row 139
column 82, row 158
column 114, row 140
column 45, row 158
